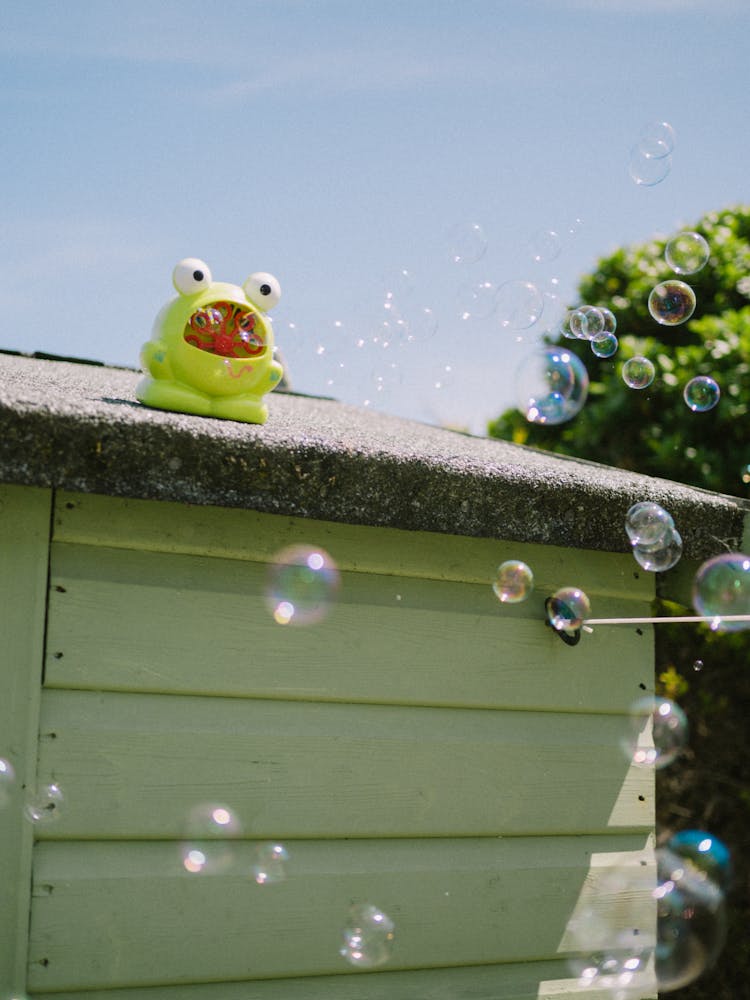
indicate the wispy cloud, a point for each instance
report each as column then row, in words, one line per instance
column 357, row 70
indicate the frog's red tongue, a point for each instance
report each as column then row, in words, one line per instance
column 225, row 329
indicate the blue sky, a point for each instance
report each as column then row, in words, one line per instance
column 335, row 144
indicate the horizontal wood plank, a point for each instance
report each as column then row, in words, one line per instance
column 148, row 621
column 247, row 535
column 527, row 981
column 127, row 915
column 133, row 766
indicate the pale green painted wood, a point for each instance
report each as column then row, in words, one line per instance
column 529, row 981
column 127, row 914
column 133, row 766
column 242, row 534
column 149, row 621
column 24, row 539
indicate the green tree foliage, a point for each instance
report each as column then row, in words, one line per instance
column 654, row 432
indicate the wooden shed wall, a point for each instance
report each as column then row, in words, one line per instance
column 423, row 748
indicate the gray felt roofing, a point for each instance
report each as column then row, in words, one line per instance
column 79, row 427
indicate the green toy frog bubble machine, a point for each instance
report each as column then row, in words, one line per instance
column 211, row 348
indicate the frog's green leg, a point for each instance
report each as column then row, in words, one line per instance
column 248, row 409
column 168, row 395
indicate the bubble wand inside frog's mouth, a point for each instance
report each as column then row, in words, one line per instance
column 225, row 329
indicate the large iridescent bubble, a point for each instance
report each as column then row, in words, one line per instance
column 722, row 587
column 551, row 386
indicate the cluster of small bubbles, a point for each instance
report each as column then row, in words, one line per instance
column 687, row 253
column 606, row 346
column 638, row 372
column 269, row 866
column 551, row 386
column 701, row 393
column 302, row 583
column 656, row 542
column 651, row 158
column 466, row 242
column 518, row 305
column 7, row 781
column 691, row 918
column 45, row 805
column 671, row 302
column 656, row 733
column 513, row 581
column 722, row 587
column 587, row 323
column 476, row 301
column 568, row 608
column 545, row 245
column 368, row 935
column 208, row 847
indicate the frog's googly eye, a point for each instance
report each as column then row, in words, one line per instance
column 191, row 275
column 263, row 290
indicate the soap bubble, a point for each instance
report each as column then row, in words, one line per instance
column 648, row 525
column 638, row 372
column 722, row 587
column 551, row 386
column 368, row 936
column 691, row 921
column 206, row 319
column 44, row 806
column 612, row 937
column 423, row 323
column 208, row 846
column 745, row 474
column 606, row 346
column 610, row 320
column 518, row 305
column 657, row 140
column 7, row 781
column 466, row 242
column 302, row 582
column 477, row 301
column 656, row 733
column 660, row 559
column 647, row 171
column 587, row 323
column 545, row 245
column 269, row 866
column 687, row 253
column 705, row 852
column 441, row 375
column 698, row 666
column 513, row 581
column 567, row 323
column 568, row 608
column 671, row 302
column 701, row 393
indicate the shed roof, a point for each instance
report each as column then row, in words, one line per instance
column 78, row 426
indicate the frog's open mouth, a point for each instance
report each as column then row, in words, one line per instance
column 226, row 329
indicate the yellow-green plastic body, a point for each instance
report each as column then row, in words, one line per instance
column 190, row 380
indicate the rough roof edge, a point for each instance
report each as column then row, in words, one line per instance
column 79, row 427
